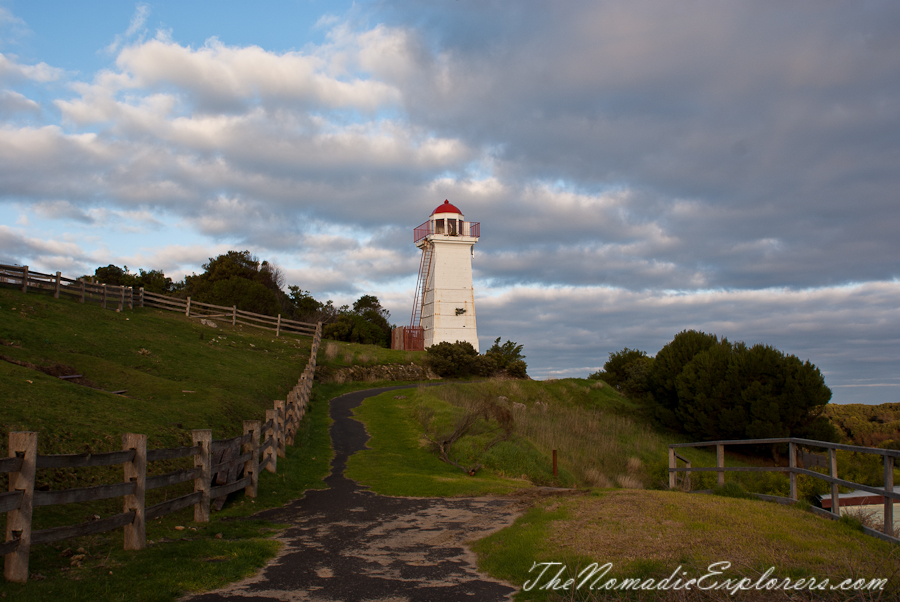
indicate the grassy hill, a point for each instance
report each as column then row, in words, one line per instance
column 178, row 375
column 616, row 459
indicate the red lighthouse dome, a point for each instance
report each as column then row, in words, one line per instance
column 446, row 207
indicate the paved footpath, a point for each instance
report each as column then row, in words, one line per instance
column 347, row 544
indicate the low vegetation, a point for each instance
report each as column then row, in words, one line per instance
column 177, row 376
column 651, row 534
column 609, row 452
column 460, row 360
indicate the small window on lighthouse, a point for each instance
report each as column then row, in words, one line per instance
column 438, row 226
column 451, row 227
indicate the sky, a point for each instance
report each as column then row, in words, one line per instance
column 638, row 168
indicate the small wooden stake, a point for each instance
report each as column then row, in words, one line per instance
column 203, row 461
column 136, row 471
column 18, row 522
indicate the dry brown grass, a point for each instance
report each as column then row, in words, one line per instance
column 625, row 527
column 332, row 350
column 601, row 449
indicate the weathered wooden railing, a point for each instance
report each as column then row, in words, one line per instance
column 220, row 467
column 196, row 309
column 794, row 470
column 23, row 277
column 126, row 297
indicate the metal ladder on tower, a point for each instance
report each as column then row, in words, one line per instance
column 421, row 284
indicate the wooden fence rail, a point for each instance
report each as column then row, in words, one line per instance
column 197, row 309
column 220, row 467
column 794, row 444
column 126, row 296
column 86, row 292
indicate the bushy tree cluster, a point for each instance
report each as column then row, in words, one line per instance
column 154, row 281
column 366, row 323
column 240, row 278
column 460, row 359
column 627, row 370
column 713, row 389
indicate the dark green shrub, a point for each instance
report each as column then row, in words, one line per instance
column 506, row 353
column 517, row 369
column 452, row 359
column 485, row 365
column 672, row 359
column 353, row 328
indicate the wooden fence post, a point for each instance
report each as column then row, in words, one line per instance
column 104, row 295
column 279, row 432
column 122, row 299
column 187, row 311
column 888, row 502
column 136, row 472
column 82, row 290
column 792, row 460
column 233, row 315
column 672, row 465
column 203, row 438
column 142, row 296
column 833, row 473
column 25, row 279
column 288, row 421
column 56, row 290
column 271, row 433
column 278, row 326
column 18, row 522
column 251, row 466
column 720, row 463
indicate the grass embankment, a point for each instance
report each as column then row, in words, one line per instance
column 179, row 375
column 602, row 440
column 338, row 354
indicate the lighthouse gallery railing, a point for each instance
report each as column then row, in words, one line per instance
column 472, row 229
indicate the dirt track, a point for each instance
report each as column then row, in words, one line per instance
column 347, row 544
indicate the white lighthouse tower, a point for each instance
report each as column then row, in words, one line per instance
column 444, row 306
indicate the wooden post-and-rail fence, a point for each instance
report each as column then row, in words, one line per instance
column 794, row 470
column 123, row 297
column 257, row 449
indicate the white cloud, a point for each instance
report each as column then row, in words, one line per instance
column 12, row 102
column 11, row 70
column 135, row 27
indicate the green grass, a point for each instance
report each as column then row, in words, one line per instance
column 644, row 533
column 651, row 533
column 397, row 463
column 339, row 354
column 189, row 560
column 234, row 374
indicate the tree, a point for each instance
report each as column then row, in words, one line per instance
column 452, row 359
column 460, row 359
column 738, row 392
column 154, row 281
column 366, row 323
column 615, row 370
column 506, row 353
column 239, row 278
column 113, row 275
column 671, row 360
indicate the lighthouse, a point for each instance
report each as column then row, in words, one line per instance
column 444, row 305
